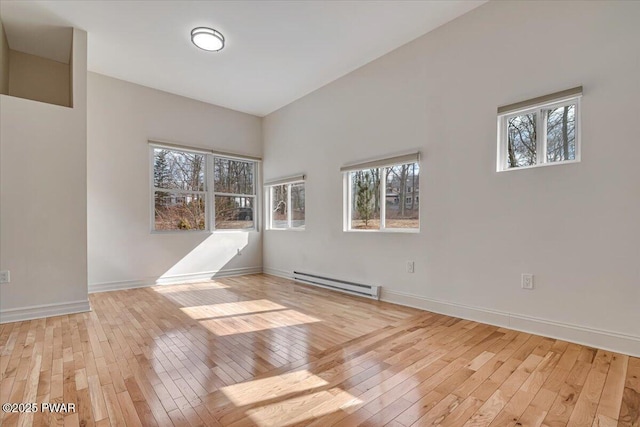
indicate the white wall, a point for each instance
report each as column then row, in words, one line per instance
column 122, row 117
column 43, row 201
column 576, row 227
column 39, row 79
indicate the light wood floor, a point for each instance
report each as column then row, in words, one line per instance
column 260, row 350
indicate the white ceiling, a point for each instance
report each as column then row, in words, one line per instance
column 276, row 51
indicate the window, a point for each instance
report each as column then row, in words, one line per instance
column 234, row 191
column 286, row 204
column 196, row 190
column 383, row 195
column 541, row 131
column 179, row 196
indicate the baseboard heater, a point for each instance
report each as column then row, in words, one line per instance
column 352, row 288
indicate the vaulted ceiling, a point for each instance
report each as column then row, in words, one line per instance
column 276, row 51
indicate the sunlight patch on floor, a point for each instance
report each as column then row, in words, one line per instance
column 255, row 391
column 302, row 408
column 231, row 309
column 257, row 322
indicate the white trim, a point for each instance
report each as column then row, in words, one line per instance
column 346, row 198
column 600, row 338
column 218, row 194
column 520, row 168
column 285, row 274
column 45, row 310
column 173, row 279
column 118, row 286
column 383, row 199
column 257, row 208
column 178, row 191
column 289, row 207
column 385, row 230
column 152, row 193
column 207, row 275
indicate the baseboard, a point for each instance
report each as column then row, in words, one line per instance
column 40, row 311
column 278, row 272
column 599, row 338
column 172, row 280
column 207, row 275
column 118, row 286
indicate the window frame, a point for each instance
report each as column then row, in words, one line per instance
column 268, row 197
column 541, row 133
column 348, row 197
column 256, row 206
column 209, row 192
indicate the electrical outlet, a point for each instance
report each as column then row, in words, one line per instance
column 4, row 276
column 527, row 281
column 410, row 266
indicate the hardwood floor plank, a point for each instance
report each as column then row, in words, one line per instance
column 630, row 406
column 612, row 392
column 585, row 409
column 259, row 350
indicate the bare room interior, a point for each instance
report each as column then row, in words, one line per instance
column 471, row 251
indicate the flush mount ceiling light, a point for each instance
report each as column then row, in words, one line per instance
column 207, row 39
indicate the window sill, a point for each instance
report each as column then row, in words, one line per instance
column 542, row 165
column 184, row 232
column 285, row 229
column 161, row 232
column 387, row 231
column 234, row 230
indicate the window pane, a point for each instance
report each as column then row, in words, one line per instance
column 297, row 205
column 179, row 211
column 521, row 131
column 403, row 195
column 234, row 212
column 365, row 203
column 178, row 170
column 279, row 208
column 561, row 133
column 233, row 176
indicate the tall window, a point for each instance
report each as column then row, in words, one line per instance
column 195, row 190
column 541, row 131
column 383, row 195
column 286, row 204
column 180, row 195
column 234, row 189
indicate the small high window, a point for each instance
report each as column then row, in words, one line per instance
column 539, row 132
